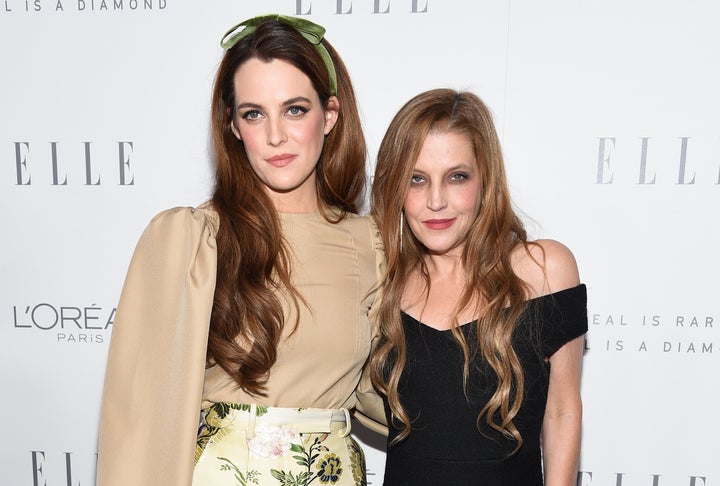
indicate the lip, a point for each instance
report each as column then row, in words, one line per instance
column 282, row 160
column 439, row 224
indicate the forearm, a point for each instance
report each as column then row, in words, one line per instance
column 561, row 446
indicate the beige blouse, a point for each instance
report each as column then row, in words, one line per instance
column 156, row 380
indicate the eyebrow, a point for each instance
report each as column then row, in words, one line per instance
column 285, row 104
column 462, row 166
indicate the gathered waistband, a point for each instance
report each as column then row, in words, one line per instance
column 303, row 420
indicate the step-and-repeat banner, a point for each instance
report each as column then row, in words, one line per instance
column 609, row 115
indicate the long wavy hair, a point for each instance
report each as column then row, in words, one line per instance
column 253, row 258
column 491, row 286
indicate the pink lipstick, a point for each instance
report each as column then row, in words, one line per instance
column 439, row 224
column 282, row 160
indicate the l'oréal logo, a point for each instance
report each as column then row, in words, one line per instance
column 69, row 323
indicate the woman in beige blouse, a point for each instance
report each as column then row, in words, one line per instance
column 243, row 324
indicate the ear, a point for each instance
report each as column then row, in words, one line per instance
column 332, row 111
column 235, row 131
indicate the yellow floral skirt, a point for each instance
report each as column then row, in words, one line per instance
column 239, row 444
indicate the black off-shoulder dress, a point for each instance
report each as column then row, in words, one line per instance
column 445, row 446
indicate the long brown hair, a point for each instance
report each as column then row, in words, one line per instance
column 253, row 259
column 486, row 258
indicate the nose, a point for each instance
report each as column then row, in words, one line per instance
column 436, row 198
column 276, row 132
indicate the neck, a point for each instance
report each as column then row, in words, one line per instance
column 294, row 203
column 447, row 265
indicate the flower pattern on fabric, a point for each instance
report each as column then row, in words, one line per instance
column 272, row 440
column 243, row 479
column 277, row 453
column 330, row 469
column 215, row 419
column 357, row 463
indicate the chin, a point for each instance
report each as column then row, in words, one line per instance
column 441, row 248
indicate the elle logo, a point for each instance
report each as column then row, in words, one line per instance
column 27, row 160
column 345, row 7
column 613, row 158
column 41, row 473
column 585, row 478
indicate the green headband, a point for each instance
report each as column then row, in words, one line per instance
column 309, row 30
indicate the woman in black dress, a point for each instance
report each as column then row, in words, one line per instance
column 480, row 337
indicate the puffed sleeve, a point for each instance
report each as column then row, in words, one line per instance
column 370, row 410
column 156, row 361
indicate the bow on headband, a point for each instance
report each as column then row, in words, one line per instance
column 312, row 32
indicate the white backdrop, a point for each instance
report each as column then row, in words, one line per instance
column 609, row 115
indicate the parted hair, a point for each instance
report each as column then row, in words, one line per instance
column 253, row 258
column 492, row 288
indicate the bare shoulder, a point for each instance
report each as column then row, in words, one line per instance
column 547, row 266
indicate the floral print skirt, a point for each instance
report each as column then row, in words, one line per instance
column 243, row 445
